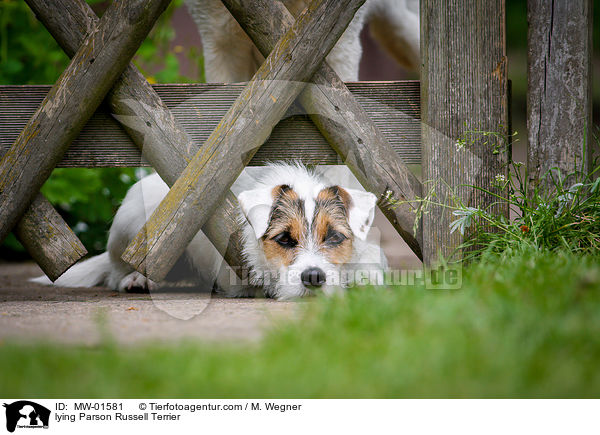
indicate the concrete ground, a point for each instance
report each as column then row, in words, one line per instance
column 85, row 315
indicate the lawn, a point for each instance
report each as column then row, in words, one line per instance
column 524, row 326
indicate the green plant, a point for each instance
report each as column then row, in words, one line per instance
column 557, row 212
column 553, row 215
column 157, row 58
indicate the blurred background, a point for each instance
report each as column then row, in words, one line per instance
column 88, row 198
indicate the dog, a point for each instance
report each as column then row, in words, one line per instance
column 301, row 235
column 230, row 56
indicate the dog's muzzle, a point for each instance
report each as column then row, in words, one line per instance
column 313, row 277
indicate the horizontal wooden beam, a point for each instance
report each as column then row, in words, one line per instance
column 243, row 129
column 393, row 107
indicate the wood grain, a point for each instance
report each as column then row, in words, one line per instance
column 463, row 88
column 70, row 103
column 559, row 97
column 241, row 132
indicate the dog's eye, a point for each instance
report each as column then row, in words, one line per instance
column 285, row 239
column 333, row 237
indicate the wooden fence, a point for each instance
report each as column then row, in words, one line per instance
column 191, row 134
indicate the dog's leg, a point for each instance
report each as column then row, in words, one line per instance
column 139, row 203
column 395, row 25
column 345, row 56
column 229, row 55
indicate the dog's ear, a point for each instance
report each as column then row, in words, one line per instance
column 361, row 212
column 256, row 205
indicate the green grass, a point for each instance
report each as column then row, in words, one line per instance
column 523, row 326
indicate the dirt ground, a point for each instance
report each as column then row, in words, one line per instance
column 86, row 315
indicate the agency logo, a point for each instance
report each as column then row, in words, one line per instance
column 26, row 414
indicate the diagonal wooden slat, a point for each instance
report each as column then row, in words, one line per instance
column 343, row 122
column 71, row 102
column 145, row 118
column 247, row 124
column 48, row 238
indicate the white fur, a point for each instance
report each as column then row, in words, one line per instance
column 230, row 56
column 109, row 270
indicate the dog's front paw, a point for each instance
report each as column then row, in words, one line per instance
column 135, row 282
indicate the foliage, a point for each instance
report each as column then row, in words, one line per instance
column 93, row 195
column 87, row 198
column 524, row 326
column 158, row 60
column 557, row 212
column 28, row 54
column 553, row 215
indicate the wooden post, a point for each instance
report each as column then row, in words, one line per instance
column 559, row 97
column 71, row 102
column 342, row 121
column 463, row 88
column 162, row 140
column 238, row 136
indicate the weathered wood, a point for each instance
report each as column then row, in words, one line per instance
column 559, row 97
column 48, row 239
column 463, row 88
column 394, row 107
column 244, row 128
column 70, row 103
column 44, row 233
column 146, row 119
column 342, row 121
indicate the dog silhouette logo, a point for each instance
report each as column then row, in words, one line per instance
column 26, row 414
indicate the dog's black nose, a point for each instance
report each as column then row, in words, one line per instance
column 313, row 277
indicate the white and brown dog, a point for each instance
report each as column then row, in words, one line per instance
column 305, row 233
column 300, row 234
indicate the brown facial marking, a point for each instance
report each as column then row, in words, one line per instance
column 287, row 226
column 330, row 224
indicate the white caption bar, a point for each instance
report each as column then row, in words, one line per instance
column 249, row 416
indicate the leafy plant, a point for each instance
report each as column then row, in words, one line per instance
column 560, row 211
column 553, row 215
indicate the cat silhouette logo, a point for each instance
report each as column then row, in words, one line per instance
column 26, row 414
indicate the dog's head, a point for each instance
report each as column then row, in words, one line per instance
column 307, row 232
